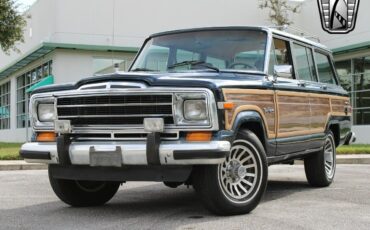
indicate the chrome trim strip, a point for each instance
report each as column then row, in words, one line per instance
column 108, row 85
column 211, row 103
column 113, row 105
column 134, row 152
column 131, row 115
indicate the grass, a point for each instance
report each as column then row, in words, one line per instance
column 10, row 151
column 354, row 149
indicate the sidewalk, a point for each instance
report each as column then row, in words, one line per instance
column 22, row 165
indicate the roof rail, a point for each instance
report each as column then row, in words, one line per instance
column 297, row 31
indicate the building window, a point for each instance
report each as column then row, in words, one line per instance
column 24, row 82
column 344, row 71
column 354, row 75
column 5, row 106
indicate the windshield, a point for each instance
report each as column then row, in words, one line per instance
column 218, row 50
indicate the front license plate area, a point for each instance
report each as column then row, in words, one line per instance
column 106, row 158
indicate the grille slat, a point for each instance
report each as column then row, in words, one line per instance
column 114, row 109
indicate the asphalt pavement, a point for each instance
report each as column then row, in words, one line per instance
column 28, row 202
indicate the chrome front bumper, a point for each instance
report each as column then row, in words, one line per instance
column 133, row 152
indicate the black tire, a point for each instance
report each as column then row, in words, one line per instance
column 317, row 165
column 172, row 184
column 83, row 193
column 213, row 185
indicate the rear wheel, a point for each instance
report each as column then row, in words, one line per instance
column 237, row 185
column 320, row 167
column 83, row 193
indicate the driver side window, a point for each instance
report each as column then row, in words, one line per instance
column 280, row 54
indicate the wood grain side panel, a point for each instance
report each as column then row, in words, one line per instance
column 294, row 113
column 339, row 106
column 320, row 110
column 249, row 99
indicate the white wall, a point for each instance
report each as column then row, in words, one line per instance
column 73, row 65
column 362, row 134
column 132, row 21
column 95, row 22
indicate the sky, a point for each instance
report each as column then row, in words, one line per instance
column 24, row 4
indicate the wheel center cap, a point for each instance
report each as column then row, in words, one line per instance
column 241, row 171
column 236, row 171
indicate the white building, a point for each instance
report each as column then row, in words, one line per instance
column 72, row 39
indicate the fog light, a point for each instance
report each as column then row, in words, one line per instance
column 153, row 125
column 62, row 126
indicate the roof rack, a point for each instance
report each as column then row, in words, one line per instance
column 297, row 31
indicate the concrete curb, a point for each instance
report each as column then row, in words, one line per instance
column 22, row 165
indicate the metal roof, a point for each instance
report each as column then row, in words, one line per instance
column 47, row 47
column 25, row 60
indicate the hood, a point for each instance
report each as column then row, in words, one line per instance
column 210, row 80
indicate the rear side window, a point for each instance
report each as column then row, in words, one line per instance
column 326, row 74
column 304, row 63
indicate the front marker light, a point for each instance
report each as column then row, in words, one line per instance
column 195, row 110
column 45, row 112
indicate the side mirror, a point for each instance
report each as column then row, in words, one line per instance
column 285, row 71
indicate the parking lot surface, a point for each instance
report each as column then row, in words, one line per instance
column 28, row 202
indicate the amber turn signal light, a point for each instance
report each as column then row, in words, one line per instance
column 46, row 137
column 198, row 136
column 228, row 105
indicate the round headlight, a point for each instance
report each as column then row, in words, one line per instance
column 45, row 112
column 195, row 110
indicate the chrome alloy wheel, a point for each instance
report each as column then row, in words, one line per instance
column 239, row 176
column 329, row 155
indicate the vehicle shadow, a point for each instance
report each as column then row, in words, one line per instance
column 151, row 207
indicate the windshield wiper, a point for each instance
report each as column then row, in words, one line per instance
column 142, row 69
column 193, row 63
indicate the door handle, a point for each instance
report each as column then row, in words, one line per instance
column 324, row 87
column 301, row 84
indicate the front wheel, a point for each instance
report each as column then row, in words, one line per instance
column 320, row 167
column 237, row 185
column 83, row 193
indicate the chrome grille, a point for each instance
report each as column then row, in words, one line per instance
column 114, row 109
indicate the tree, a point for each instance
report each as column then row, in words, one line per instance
column 11, row 26
column 279, row 10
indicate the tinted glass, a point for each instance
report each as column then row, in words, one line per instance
column 304, row 63
column 225, row 49
column 326, row 74
column 280, row 54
